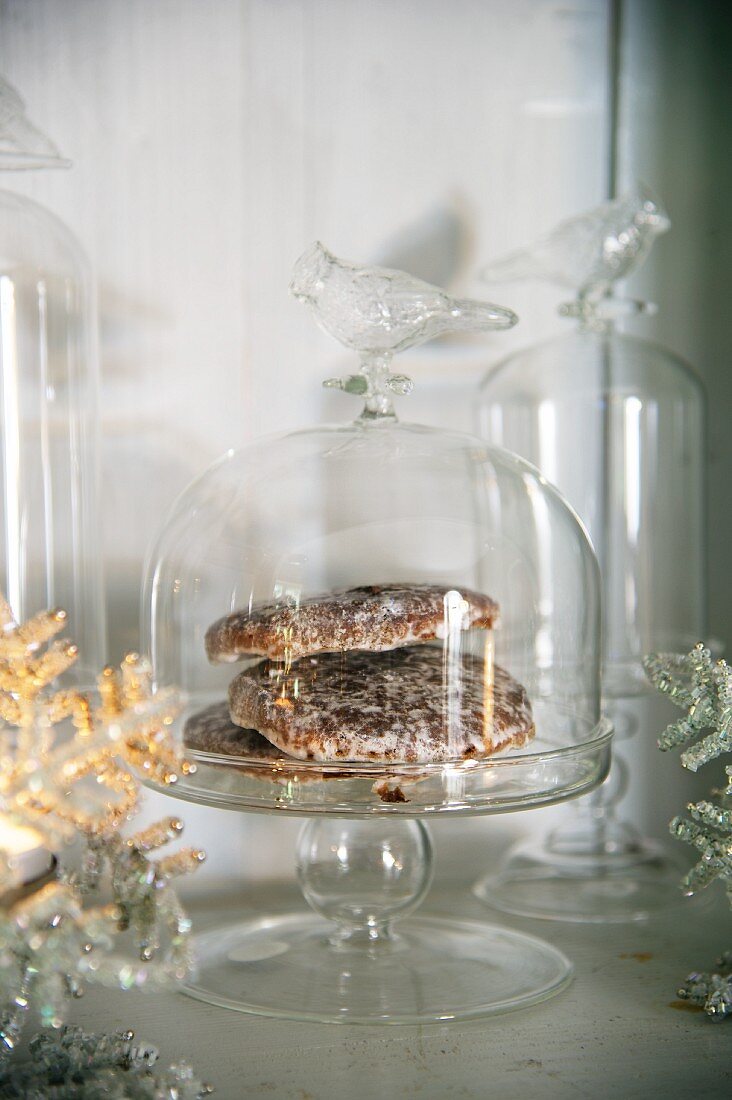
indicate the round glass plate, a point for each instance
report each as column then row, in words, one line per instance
column 568, row 757
column 594, row 867
column 593, row 888
column 433, row 969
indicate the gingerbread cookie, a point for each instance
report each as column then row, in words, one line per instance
column 211, row 730
column 383, row 706
column 374, row 617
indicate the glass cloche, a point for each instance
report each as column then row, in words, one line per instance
column 377, row 620
column 49, row 515
column 318, row 562
column 617, row 423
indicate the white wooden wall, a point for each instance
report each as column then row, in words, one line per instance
column 214, row 139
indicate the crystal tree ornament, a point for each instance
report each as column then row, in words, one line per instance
column 43, row 938
column 703, row 688
column 377, row 583
column 80, row 783
column 617, row 423
column 49, row 419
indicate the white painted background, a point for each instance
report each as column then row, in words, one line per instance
column 213, row 140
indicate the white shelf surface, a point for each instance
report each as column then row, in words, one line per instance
column 618, row 1031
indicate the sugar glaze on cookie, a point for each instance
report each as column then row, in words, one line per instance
column 398, row 706
column 211, row 731
column 376, row 618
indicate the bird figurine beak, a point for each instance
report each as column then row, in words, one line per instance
column 651, row 211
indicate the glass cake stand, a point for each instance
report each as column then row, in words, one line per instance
column 364, row 864
column 302, row 532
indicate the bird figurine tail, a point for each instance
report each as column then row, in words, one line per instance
column 471, row 315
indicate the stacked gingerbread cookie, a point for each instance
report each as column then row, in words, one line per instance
column 365, row 674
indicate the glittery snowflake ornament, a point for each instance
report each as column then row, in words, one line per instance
column 711, row 991
column 75, row 1065
column 703, row 688
column 69, row 767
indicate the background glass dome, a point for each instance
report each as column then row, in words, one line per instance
column 50, row 553
column 617, row 423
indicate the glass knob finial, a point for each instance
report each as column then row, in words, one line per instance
column 377, row 311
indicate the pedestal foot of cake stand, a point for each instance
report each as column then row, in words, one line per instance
column 594, row 868
column 359, row 957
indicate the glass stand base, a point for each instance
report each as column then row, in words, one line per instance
column 431, row 969
column 606, row 887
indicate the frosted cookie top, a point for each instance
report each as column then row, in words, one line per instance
column 373, row 617
column 384, row 707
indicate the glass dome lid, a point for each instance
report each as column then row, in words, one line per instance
column 379, row 615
